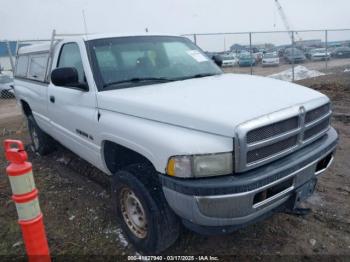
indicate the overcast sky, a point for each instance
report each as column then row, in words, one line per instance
column 23, row 19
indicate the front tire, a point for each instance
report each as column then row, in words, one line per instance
column 42, row 143
column 141, row 208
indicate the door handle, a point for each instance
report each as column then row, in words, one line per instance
column 52, row 99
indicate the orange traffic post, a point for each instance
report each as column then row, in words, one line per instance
column 25, row 196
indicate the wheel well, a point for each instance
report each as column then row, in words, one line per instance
column 26, row 108
column 117, row 156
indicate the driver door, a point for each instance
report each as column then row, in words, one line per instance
column 73, row 112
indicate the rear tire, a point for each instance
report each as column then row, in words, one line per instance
column 42, row 143
column 142, row 211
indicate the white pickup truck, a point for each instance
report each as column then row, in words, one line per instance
column 184, row 143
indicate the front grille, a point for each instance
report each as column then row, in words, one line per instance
column 317, row 113
column 268, row 142
column 316, row 129
column 263, row 152
column 272, row 130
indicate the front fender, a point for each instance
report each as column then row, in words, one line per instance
column 158, row 141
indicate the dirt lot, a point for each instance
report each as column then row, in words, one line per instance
column 75, row 200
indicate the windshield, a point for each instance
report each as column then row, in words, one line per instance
column 133, row 61
column 270, row 56
column 245, row 56
column 319, row 50
column 227, row 57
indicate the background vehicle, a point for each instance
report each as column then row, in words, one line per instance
column 6, row 86
column 270, row 59
column 245, row 59
column 341, row 52
column 229, row 60
column 319, row 54
column 294, row 55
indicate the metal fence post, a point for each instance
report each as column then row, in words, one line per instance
column 326, row 43
column 293, row 47
column 10, row 55
column 17, row 46
column 251, row 55
column 195, row 38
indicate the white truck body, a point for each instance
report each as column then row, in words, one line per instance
column 198, row 116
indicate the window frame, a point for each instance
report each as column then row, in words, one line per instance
column 81, row 58
column 94, row 63
column 26, row 76
column 26, row 72
column 36, row 54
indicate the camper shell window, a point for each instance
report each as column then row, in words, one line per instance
column 22, row 66
column 32, row 66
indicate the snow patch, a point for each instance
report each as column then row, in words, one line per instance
column 346, row 70
column 300, row 72
column 62, row 160
column 120, row 237
column 17, row 244
column 315, row 199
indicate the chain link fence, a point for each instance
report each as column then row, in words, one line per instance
column 11, row 118
column 285, row 55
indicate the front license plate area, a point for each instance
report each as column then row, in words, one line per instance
column 304, row 192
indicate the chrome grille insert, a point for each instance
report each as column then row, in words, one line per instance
column 275, row 135
column 272, row 130
column 316, row 129
column 263, row 152
column 317, row 113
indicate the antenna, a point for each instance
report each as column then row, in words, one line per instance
column 274, row 18
column 84, row 20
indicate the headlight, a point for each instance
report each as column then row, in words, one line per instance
column 200, row 165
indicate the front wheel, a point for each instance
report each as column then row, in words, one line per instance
column 42, row 143
column 141, row 208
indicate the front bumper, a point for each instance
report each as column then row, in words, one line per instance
column 241, row 198
column 246, row 63
column 270, row 63
column 319, row 58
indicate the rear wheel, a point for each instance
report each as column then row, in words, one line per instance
column 141, row 208
column 42, row 143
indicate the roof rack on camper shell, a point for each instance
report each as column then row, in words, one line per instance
column 49, row 45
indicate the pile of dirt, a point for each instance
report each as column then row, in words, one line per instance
column 337, row 88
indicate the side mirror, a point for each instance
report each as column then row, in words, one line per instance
column 217, row 60
column 67, row 77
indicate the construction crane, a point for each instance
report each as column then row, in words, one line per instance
column 285, row 21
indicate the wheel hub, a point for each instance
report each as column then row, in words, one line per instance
column 133, row 213
column 35, row 138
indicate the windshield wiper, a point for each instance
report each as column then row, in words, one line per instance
column 139, row 80
column 199, row 75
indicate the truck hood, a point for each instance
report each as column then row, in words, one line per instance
column 215, row 104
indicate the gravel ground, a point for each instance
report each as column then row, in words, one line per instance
column 75, row 201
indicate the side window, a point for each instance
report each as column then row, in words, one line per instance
column 22, row 66
column 70, row 57
column 37, row 67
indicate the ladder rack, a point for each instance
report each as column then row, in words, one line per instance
column 54, row 40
